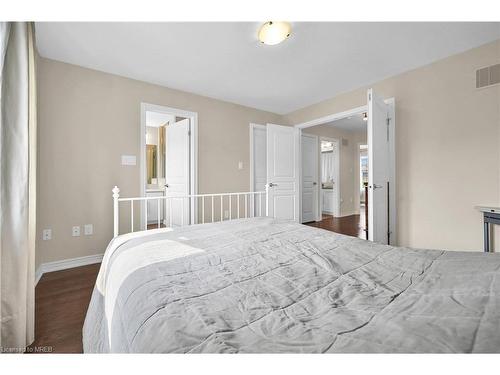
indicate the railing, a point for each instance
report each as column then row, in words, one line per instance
column 254, row 203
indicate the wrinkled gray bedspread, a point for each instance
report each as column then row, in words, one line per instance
column 260, row 285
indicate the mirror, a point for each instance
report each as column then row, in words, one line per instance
column 155, row 156
column 151, row 157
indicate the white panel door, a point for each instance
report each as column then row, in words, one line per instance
column 177, row 172
column 310, row 156
column 283, row 176
column 378, row 169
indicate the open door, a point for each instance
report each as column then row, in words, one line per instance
column 283, row 174
column 378, row 169
column 177, row 173
column 310, row 156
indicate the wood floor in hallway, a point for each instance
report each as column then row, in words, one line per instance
column 352, row 225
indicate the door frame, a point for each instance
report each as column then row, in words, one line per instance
column 336, row 208
column 193, row 152
column 391, row 102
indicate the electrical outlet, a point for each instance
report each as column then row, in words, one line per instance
column 88, row 229
column 240, row 165
column 226, row 214
column 47, row 234
column 75, row 232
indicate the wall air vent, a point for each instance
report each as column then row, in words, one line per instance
column 488, row 76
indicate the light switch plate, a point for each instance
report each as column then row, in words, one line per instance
column 75, row 232
column 240, row 165
column 129, row 160
column 47, row 234
column 88, row 229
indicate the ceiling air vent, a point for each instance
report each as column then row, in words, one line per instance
column 488, row 76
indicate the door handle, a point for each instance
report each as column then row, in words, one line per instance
column 270, row 184
column 315, row 183
column 166, row 185
column 375, row 186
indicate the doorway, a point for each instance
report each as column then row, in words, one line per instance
column 338, row 196
column 378, row 122
column 330, row 177
column 168, row 165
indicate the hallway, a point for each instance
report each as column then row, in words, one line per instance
column 352, row 225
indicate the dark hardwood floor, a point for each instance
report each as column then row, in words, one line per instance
column 352, row 225
column 155, row 226
column 61, row 302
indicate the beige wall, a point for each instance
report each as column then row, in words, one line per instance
column 447, row 146
column 349, row 167
column 448, row 141
column 87, row 120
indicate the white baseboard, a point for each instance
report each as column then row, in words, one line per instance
column 344, row 214
column 59, row 265
column 38, row 274
column 349, row 213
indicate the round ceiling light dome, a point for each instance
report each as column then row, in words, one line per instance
column 273, row 32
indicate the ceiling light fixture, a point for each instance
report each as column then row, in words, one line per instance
column 273, row 32
column 365, row 117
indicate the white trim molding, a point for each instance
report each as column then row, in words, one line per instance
column 332, row 117
column 65, row 264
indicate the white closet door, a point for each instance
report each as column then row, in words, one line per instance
column 378, row 169
column 283, row 171
column 310, row 155
column 177, row 172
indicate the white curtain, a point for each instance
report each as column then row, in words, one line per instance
column 327, row 167
column 17, row 185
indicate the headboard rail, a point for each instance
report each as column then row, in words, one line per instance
column 178, row 210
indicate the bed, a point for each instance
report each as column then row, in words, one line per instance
column 260, row 285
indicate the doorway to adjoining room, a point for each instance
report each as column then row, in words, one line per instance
column 338, row 162
column 168, row 165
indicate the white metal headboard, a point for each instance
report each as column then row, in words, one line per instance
column 255, row 203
